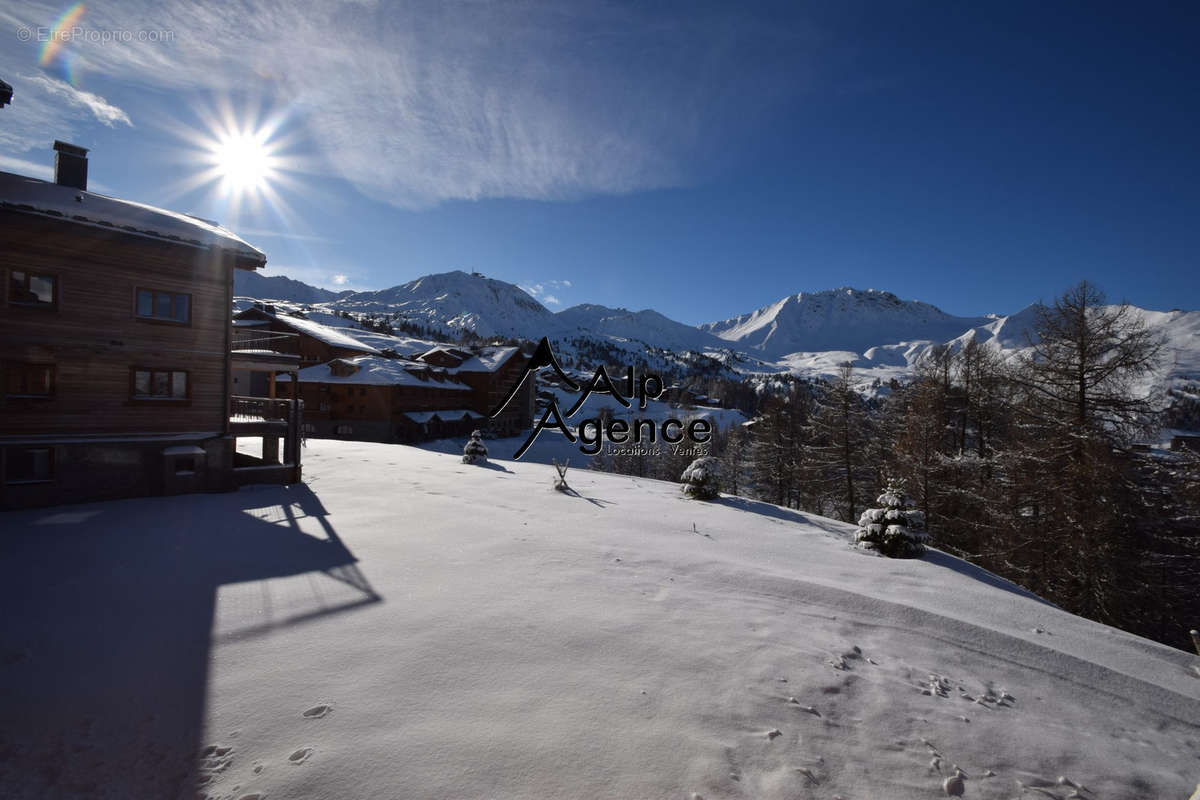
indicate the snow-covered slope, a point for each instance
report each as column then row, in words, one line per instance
column 646, row 326
column 454, row 301
column 404, row 625
column 838, row 319
column 278, row 287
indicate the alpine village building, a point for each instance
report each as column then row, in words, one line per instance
column 117, row 350
column 353, row 390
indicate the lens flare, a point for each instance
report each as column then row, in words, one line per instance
column 54, row 42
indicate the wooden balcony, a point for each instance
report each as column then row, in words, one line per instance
column 272, row 420
column 256, row 348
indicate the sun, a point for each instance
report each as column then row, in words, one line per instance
column 244, row 162
column 247, row 163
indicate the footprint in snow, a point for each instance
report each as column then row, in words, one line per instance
column 316, row 712
column 301, row 755
column 954, row 786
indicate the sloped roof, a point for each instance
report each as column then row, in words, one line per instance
column 421, row 417
column 34, row 196
column 379, row 371
column 489, row 359
column 324, row 333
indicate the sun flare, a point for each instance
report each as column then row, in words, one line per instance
column 243, row 162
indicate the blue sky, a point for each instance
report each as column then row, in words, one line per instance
column 699, row 160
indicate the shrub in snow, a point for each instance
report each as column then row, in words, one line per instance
column 897, row 530
column 476, row 451
column 702, row 479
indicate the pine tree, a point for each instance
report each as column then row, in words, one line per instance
column 896, row 530
column 702, row 479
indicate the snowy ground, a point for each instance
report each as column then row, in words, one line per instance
column 403, row 625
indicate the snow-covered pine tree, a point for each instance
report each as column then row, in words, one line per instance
column 702, row 479
column 476, row 451
column 897, row 530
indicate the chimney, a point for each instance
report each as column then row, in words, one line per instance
column 70, row 165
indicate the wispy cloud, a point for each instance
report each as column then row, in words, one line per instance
column 323, row 278
column 459, row 100
column 273, row 234
column 104, row 111
column 541, row 291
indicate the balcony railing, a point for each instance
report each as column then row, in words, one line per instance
column 259, row 409
column 260, row 342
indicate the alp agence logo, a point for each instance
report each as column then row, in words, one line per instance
column 593, row 432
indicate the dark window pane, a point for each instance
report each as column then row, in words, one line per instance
column 179, row 384
column 145, row 303
column 181, row 308
column 42, row 288
column 29, row 464
column 162, row 305
column 141, row 383
column 39, row 380
column 16, row 286
column 160, row 384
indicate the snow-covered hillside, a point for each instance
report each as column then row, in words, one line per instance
column 247, row 283
column 838, row 319
column 457, row 301
column 646, row 326
column 404, row 625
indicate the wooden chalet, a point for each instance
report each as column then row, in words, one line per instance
column 444, row 392
column 117, row 350
column 490, row 372
column 314, row 344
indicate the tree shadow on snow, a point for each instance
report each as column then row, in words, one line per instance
column 494, row 466
column 777, row 512
column 111, row 614
column 569, row 492
column 940, row 559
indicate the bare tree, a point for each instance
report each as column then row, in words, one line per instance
column 1082, row 381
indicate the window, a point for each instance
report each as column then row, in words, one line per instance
column 29, row 465
column 160, row 384
column 33, row 289
column 343, row 430
column 153, row 304
column 28, row 380
column 310, row 428
column 324, row 406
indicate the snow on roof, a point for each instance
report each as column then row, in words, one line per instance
column 324, row 333
column 421, row 417
column 489, row 359
column 379, row 371
column 30, row 195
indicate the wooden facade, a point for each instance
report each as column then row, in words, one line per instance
column 402, row 411
column 115, row 360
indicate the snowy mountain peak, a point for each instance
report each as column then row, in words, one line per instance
column 457, row 301
column 843, row 319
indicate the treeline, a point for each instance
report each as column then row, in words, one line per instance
column 1028, row 466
